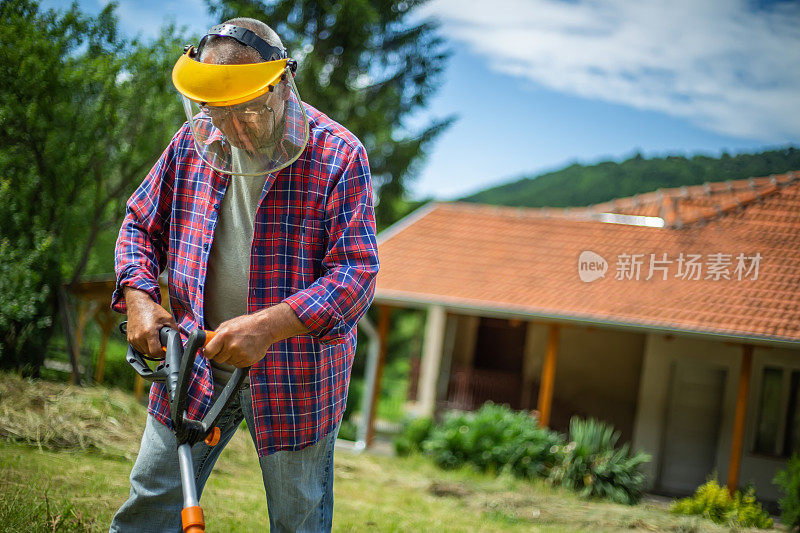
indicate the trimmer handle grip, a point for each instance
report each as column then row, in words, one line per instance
column 137, row 361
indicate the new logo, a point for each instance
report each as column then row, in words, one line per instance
column 591, row 266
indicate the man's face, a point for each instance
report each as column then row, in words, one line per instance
column 256, row 125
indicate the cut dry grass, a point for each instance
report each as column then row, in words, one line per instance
column 57, row 416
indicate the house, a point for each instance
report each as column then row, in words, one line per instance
column 674, row 315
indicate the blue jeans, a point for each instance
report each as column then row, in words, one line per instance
column 299, row 485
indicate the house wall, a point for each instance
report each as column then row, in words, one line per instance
column 661, row 353
column 597, row 375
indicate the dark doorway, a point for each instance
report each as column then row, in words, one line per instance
column 500, row 345
column 496, row 371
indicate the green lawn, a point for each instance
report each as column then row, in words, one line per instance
column 78, row 487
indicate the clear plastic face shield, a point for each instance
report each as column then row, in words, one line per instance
column 246, row 119
column 252, row 138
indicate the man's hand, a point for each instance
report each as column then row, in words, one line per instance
column 145, row 319
column 243, row 341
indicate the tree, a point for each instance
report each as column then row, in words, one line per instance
column 366, row 65
column 84, row 113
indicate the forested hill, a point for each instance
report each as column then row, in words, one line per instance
column 580, row 185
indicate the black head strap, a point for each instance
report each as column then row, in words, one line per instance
column 247, row 38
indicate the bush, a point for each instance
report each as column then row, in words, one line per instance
column 788, row 481
column 592, row 465
column 494, row 438
column 28, row 281
column 715, row 503
column 415, row 432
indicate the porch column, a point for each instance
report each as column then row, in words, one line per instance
column 431, row 360
column 739, row 417
column 548, row 376
column 384, row 313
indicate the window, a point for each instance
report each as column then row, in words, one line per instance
column 778, row 422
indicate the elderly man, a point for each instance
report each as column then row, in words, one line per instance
column 260, row 210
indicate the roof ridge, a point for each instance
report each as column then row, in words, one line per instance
column 668, row 200
column 755, row 194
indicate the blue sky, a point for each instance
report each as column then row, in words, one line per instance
column 537, row 84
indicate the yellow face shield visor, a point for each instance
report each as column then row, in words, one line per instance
column 221, row 85
column 246, row 119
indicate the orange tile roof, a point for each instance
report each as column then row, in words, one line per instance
column 524, row 261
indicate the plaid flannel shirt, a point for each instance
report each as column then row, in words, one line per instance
column 313, row 247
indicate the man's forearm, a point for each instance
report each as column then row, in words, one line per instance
column 242, row 341
column 280, row 322
column 132, row 294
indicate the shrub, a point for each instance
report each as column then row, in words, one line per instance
column 415, row 432
column 494, row 438
column 592, row 465
column 788, row 481
column 715, row 503
column 28, row 280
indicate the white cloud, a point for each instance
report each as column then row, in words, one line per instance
column 722, row 64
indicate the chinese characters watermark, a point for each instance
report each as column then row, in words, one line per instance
column 715, row 266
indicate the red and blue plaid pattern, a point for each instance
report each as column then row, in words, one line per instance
column 313, row 247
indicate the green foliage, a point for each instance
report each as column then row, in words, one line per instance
column 369, row 64
column 84, row 113
column 581, row 185
column 497, row 439
column 26, row 302
column 354, row 394
column 494, row 438
column 348, row 430
column 415, row 432
column 715, row 503
column 788, row 480
column 592, row 465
